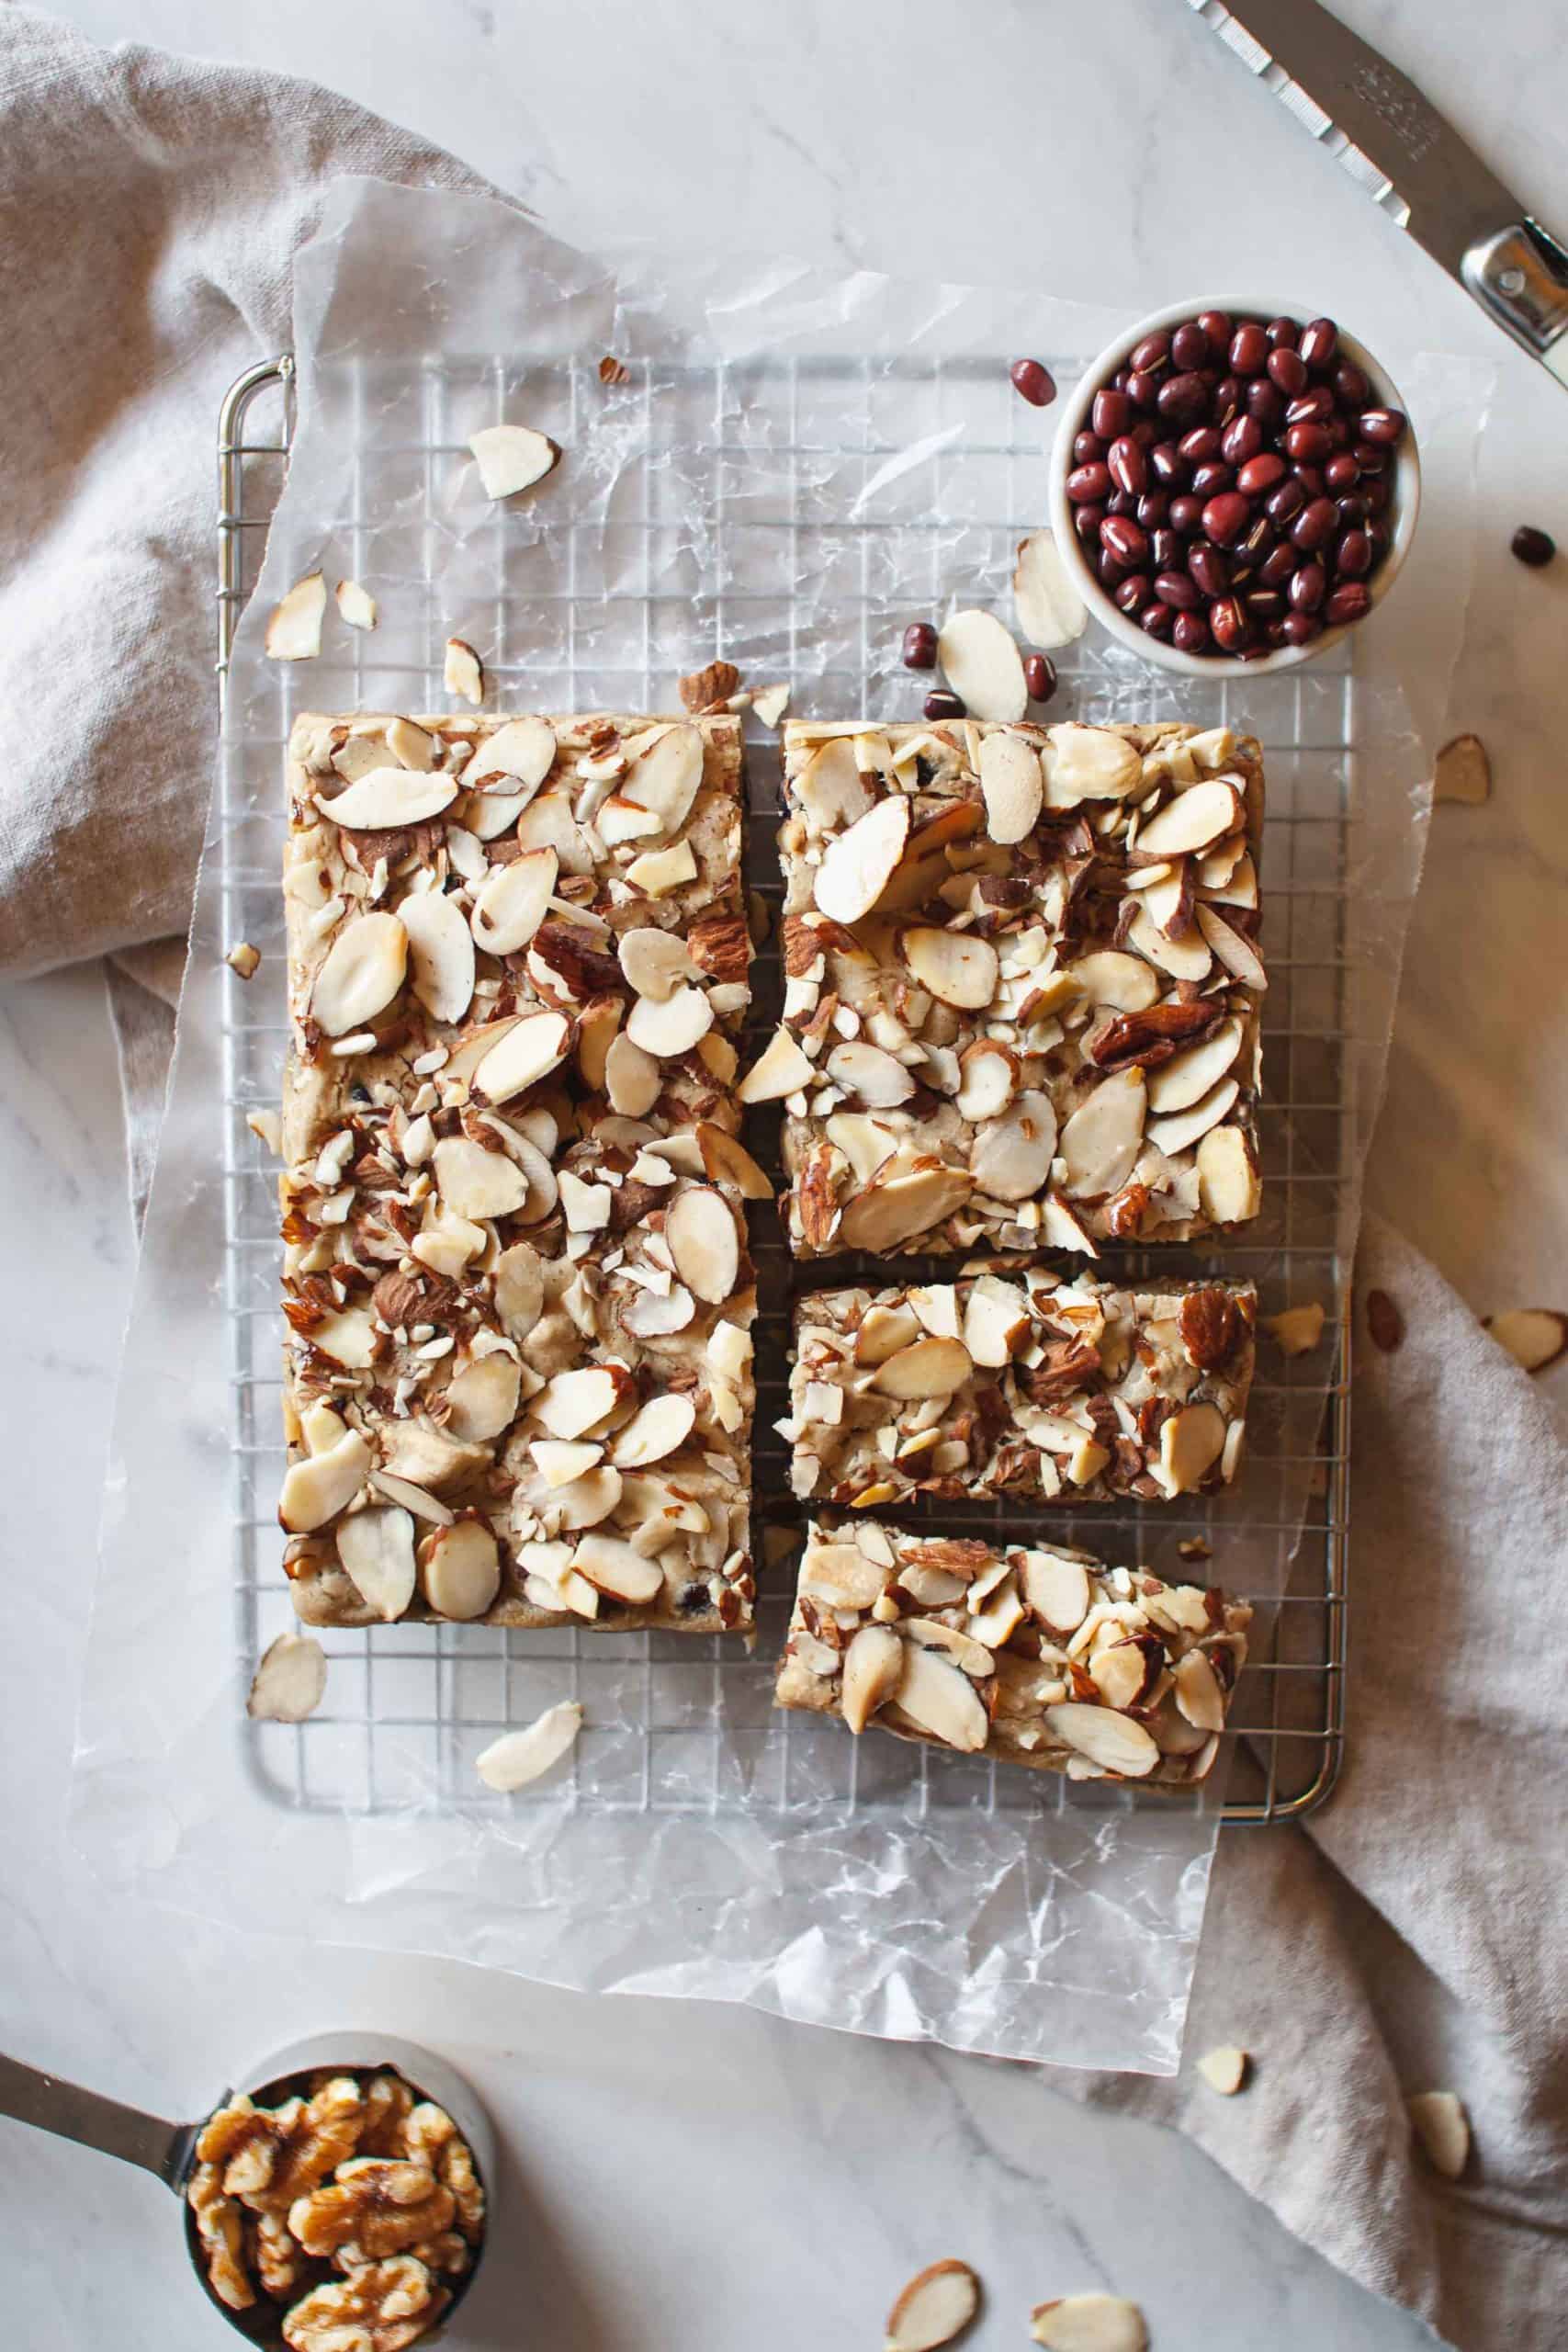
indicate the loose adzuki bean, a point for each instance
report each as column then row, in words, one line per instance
column 1287, row 371
column 1142, row 388
column 1308, row 587
column 1033, row 380
column 1121, row 502
column 1286, row 502
column 1208, row 568
column 1261, row 473
column 1265, row 401
column 1165, row 548
column 943, row 704
column 1151, row 354
column 1353, row 555
column 1383, row 426
column 1153, row 508
column 1249, row 350
column 1283, row 334
column 919, row 646
column 1207, row 480
column 1039, row 676
column 1316, row 525
column 1169, row 464
column 1532, row 546
column 1279, row 566
column 1225, row 517
column 1241, row 440
column 1201, row 447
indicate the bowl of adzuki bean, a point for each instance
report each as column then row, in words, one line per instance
column 1239, row 486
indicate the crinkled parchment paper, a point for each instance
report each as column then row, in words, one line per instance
column 795, row 465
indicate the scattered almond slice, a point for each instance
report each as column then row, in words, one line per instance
column 268, row 1127
column 699, row 1231
column 527, row 1051
column 512, row 458
column 1046, row 598
column 294, row 632
column 1114, row 1741
column 388, row 797
column 1224, row 2070
column 1297, row 1330
column 983, row 666
column 1534, row 1335
column 937, row 2303
column 1091, row 2323
column 1232, row 946
column 951, row 965
column 726, row 1159
column 1012, row 787
column 440, row 953
column 669, row 1027
column 511, row 901
column 1442, row 2127
column 463, row 672
column 1205, row 813
column 858, row 864
column 941, row 1697
column 362, row 972
column 769, row 703
column 930, row 1367
column 1463, row 772
column 289, row 1682
column 780, row 1069
column 244, row 959
column 461, row 1568
column 519, row 1756
column 357, row 607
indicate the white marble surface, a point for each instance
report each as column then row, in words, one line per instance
column 1113, row 150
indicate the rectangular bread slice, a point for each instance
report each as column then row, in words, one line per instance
column 518, row 1371
column 1039, row 1655
column 1020, row 1383
column 1023, row 986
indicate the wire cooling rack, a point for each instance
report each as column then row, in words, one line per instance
column 412, row 1702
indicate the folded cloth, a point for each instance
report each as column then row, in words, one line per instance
column 153, row 206
column 1411, row 1937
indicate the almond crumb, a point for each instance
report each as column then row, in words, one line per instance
column 1298, row 1328
column 1442, row 2127
column 1224, row 2070
column 613, row 370
column 464, row 672
column 244, row 959
column 1534, row 1335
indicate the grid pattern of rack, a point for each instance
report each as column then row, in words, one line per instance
column 683, row 1723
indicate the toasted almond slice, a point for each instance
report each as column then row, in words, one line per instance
column 1463, row 772
column 1228, row 1185
column 410, row 746
column 1057, row 1589
column 488, row 814
column 290, row 1680
column 597, row 1025
column 1194, row 820
column 1010, row 1157
column 941, row 1697
column 519, row 1289
column 1198, row 1694
column 440, row 954
column 294, row 631
column 1443, row 2129
column 476, row 1182
column 512, row 458
column 830, row 787
column 1534, row 1335
column 461, row 1567
column 1182, row 1129
column 662, row 1424
column 1123, row 982
column 939, row 2303
column 659, row 871
column 699, row 1230
column 727, row 1161
column 1186, row 956
column 388, row 797
column 663, row 778
column 357, row 607
column 243, row 960
column 1012, row 787
column 983, row 666
column 376, row 1548
column 1233, row 948
column 519, row 1756
column 1176, row 1084
column 893, row 1209
column 930, row 1368
column 512, row 901
column 1218, row 866
column 1241, row 891
column 871, row 1076
column 589, row 1500
column 1168, row 902
column 481, row 1399
column 655, row 962
column 883, row 1331
column 988, row 1077
column 1225, row 2069
column 769, row 703
column 1101, row 1141
column 1298, row 1328
column 463, row 672
column 954, row 966
column 1045, row 594
column 671, row 1028
column 873, row 1665
column 528, row 1051
column 857, row 866
column 1089, row 763
column 1090, row 2323
column 518, row 756
column 842, row 1573
column 649, row 1317
column 1061, row 1227
column 614, row 1566
column 562, row 1462
column 996, row 1321
column 574, row 1402
column 632, row 1078
column 348, row 1337
column 779, row 1070
column 1107, row 1739
column 317, row 1489
column 362, row 972
column 1189, row 1444
column 933, row 1634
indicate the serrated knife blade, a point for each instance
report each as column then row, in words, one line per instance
column 1377, row 125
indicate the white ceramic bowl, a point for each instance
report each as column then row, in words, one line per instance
column 1405, row 504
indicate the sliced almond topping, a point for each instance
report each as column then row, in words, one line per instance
column 939, row 2303
column 1057, row 1589
column 348, row 1337
column 1232, row 949
column 829, row 785
column 574, row 1402
column 655, row 962
column 1125, row 1672
column 1090, row 2323
column 513, row 899
column 519, row 1289
column 294, row 632
column 461, row 1566
column 779, row 1070
column 928, row 1368
column 1186, row 956
column 1224, row 2070
column 481, row 1399
column 883, row 1331
column 857, row 866
column 1114, row 1741
column 990, row 1074
column 1195, row 819
column 658, row 872
column 289, row 1682
column 972, row 1656
column 317, row 1489
column 996, row 1321
column 1190, row 1445
column 617, row 1567
column 390, row 798
column 476, row 1182
column 1045, row 596
column 1463, row 772
column 649, row 1317
column 1010, row 1157
column 1297, row 1330
column 1123, row 982
column 463, row 672
column 1198, row 1694
column 632, row 1078
column 1168, row 902
column 727, row 1161
column 873, row 1665
column 871, row 1076
column 1228, row 1185
column 519, row 1756
column 954, row 965
column 357, row 607
column 1089, row 763
column 1176, row 1084
column 488, row 814
column 1443, row 2129
column 522, row 753
column 1061, row 1227
column 769, row 703
column 893, row 1209
column 663, row 778
column 983, row 666
column 662, row 1424
column 376, row 1548
column 699, row 1230
column 1184, row 1127
column 511, row 457
column 941, row 1698
column 244, row 959
column 1101, row 1141
column 441, row 953
column 1534, row 1335
column 362, row 972
column 530, row 1049
column 672, row 1027
column 1012, row 787
column 597, row 1027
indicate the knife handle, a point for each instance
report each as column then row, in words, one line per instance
column 1520, row 278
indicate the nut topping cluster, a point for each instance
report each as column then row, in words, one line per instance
column 355, row 2203
column 517, row 1288
column 1023, row 986
column 1041, row 1656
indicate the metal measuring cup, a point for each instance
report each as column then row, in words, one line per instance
column 168, row 2149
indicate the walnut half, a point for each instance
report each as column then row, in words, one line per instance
column 383, row 2308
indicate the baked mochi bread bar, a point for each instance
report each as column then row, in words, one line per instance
column 518, row 1369
column 1023, row 986
column 1033, row 1655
